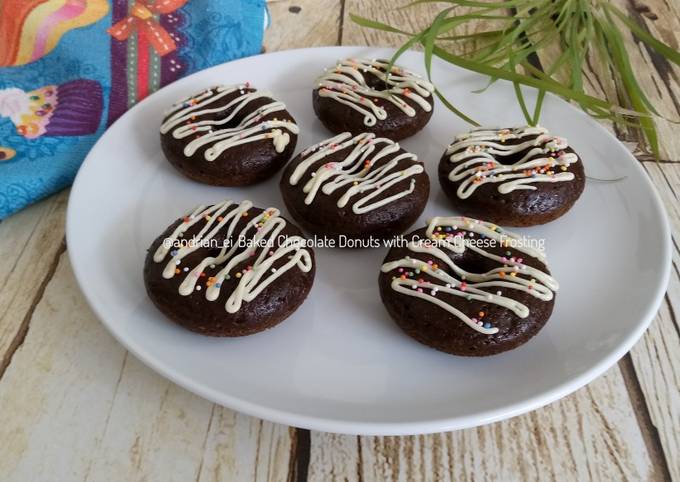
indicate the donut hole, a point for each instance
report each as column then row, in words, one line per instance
column 512, row 158
column 375, row 83
column 238, row 116
column 474, row 264
column 233, row 122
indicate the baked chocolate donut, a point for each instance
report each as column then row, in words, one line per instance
column 229, row 135
column 515, row 177
column 229, row 269
column 355, row 187
column 357, row 95
column 467, row 287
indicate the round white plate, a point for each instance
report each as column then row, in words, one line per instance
column 339, row 363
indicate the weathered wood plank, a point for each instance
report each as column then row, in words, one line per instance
column 58, row 391
column 302, row 23
column 76, row 406
column 411, row 20
column 239, row 447
column 29, row 242
column 656, row 357
column 335, row 458
column 585, row 436
column 152, row 425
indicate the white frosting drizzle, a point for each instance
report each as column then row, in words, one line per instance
column 346, row 84
column 191, row 117
column 223, row 218
column 356, row 173
column 511, row 272
column 475, row 157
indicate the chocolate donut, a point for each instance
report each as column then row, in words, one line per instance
column 355, row 186
column 229, row 269
column 521, row 176
column 229, row 135
column 358, row 95
column 467, row 287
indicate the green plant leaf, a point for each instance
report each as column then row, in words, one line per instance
column 365, row 22
column 537, row 108
column 429, row 38
column 549, row 85
column 455, row 110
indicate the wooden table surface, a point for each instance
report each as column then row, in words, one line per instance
column 74, row 405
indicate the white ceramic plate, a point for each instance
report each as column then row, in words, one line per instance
column 339, row 363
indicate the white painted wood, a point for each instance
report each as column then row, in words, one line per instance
column 590, row 435
column 239, row 447
column 334, row 458
column 76, row 406
column 155, row 430
column 58, row 391
column 657, row 356
column 302, row 23
column 29, row 242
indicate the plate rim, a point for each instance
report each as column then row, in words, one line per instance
column 333, row 425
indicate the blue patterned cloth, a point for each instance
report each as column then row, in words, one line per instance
column 54, row 108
